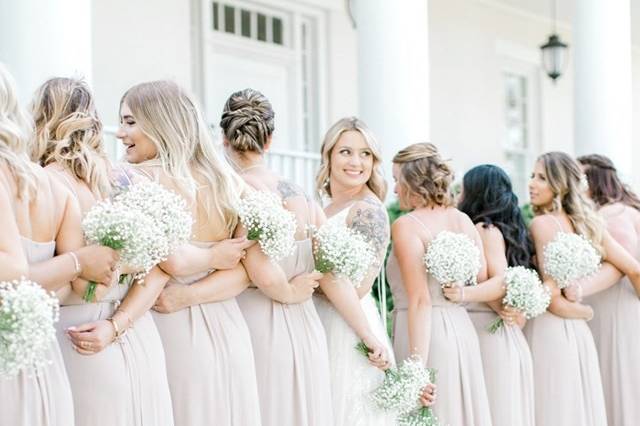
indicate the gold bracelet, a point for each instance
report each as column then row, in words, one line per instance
column 116, row 329
column 76, row 264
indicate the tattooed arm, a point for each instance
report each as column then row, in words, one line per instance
column 369, row 218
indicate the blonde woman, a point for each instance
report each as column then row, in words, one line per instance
column 568, row 387
column 206, row 340
column 289, row 342
column 103, row 375
column 351, row 178
column 426, row 323
column 42, row 397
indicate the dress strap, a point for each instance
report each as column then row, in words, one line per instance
column 555, row 219
column 67, row 182
column 429, row 234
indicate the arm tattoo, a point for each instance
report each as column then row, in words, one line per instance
column 288, row 190
column 373, row 225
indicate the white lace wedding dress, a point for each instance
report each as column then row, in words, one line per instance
column 352, row 377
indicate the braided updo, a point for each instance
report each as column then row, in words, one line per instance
column 425, row 175
column 247, row 120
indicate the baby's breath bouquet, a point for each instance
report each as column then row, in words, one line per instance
column 525, row 292
column 269, row 223
column 401, row 389
column 453, row 257
column 343, row 251
column 27, row 317
column 570, row 257
column 144, row 223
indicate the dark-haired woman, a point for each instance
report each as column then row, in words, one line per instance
column 617, row 308
column 488, row 199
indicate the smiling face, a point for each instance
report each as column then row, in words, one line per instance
column 139, row 146
column 540, row 192
column 351, row 161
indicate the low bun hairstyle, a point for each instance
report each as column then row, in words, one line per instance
column 247, row 121
column 425, row 175
column 605, row 185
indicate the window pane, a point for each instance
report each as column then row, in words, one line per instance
column 277, row 30
column 245, row 23
column 262, row 27
column 215, row 15
column 229, row 19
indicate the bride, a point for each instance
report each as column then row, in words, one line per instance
column 350, row 177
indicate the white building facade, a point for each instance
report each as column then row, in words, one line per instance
column 463, row 74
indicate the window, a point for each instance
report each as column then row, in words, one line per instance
column 243, row 22
column 517, row 146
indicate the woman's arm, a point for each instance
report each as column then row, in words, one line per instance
column 215, row 287
column 368, row 217
column 13, row 263
column 543, row 230
column 409, row 250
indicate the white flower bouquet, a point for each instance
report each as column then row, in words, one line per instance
column 453, row 257
column 525, row 292
column 343, row 251
column 401, row 389
column 27, row 317
column 570, row 257
column 269, row 223
column 144, row 224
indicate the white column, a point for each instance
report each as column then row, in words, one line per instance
column 45, row 38
column 393, row 72
column 602, row 46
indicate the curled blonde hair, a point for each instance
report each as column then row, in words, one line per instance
column 564, row 176
column 247, row 120
column 69, row 132
column 15, row 130
column 425, row 175
column 376, row 182
column 169, row 117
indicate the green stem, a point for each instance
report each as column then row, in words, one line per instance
column 495, row 325
column 90, row 292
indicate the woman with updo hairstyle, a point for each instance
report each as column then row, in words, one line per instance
column 289, row 343
column 489, row 201
column 425, row 322
column 616, row 309
column 568, row 386
column 351, row 180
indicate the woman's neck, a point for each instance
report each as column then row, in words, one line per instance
column 341, row 194
column 244, row 161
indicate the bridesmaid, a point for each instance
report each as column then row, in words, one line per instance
column 351, row 178
column 206, row 340
column 617, row 309
column 122, row 383
column 289, row 342
column 487, row 198
column 41, row 397
column 427, row 324
column 567, row 379
column 13, row 263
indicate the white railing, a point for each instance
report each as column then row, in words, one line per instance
column 296, row 166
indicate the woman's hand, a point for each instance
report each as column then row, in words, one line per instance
column 429, row 395
column 304, row 285
column 454, row 293
column 573, row 292
column 173, row 298
column 97, row 263
column 227, row 254
column 378, row 356
column 91, row 338
column 512, row 316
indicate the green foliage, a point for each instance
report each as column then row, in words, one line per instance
column 527, row 213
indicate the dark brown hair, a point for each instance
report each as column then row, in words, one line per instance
column 604, row 184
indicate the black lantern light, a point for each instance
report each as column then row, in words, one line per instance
column 554, row 52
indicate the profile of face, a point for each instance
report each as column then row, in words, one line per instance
column 351, row 160
column 540, row 192
column 138, row 146
column 399, row 188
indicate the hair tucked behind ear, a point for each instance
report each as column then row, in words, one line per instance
column 605, row 185
column 565, row 179
column 247, row 120
column 15, row 130
column 487, row 197
column 425, row 174
column 69, row 132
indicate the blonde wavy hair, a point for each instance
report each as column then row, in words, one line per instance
column 376, row 182
column 425, row 174
column 69, row 132
column 15, row 130
column 169, row 117
column 565, row 180
column 248, row 121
